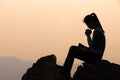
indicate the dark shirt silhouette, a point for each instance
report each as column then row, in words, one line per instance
column 96, row 44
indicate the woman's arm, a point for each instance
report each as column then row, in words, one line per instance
column 88, row 33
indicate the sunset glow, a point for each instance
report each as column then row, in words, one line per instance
column 30, row 29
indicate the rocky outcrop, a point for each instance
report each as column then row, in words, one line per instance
column 44, row 69
column 100, row 70
column 47, row 69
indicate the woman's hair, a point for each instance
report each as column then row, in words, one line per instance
column 88, row 18
column 92, row 17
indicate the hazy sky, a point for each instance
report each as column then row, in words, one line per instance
column 30, row 29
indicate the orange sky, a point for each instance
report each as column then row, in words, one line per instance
column 30, row 29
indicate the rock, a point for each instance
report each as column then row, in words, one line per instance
column 44, row 69
column 101, row 70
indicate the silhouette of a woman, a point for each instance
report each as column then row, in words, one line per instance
column 96, row 44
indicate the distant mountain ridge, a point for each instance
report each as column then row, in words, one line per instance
column 12, row 68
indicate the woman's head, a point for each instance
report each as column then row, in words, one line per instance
column 91, row 21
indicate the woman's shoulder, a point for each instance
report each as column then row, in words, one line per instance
column 99, row 30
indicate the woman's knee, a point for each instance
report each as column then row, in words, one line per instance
column 72, row 48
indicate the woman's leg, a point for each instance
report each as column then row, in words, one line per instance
column 75, row 52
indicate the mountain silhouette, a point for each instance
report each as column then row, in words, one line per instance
column 12, row 68
column 46, row 68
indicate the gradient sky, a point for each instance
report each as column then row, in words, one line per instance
column 30, row 29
